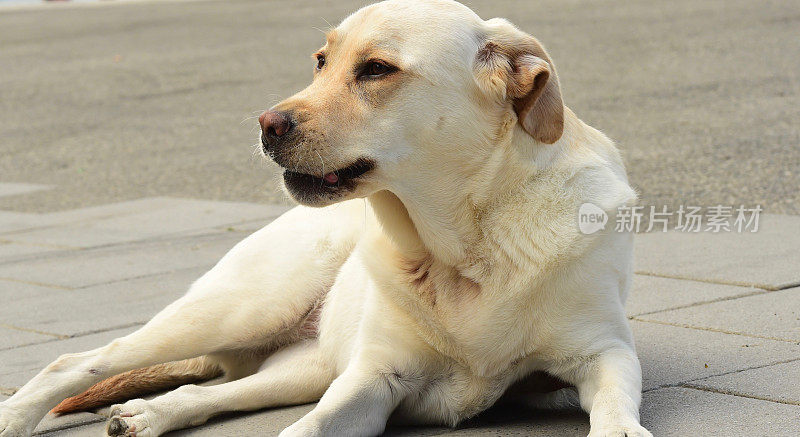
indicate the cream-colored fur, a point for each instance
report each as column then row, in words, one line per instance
column 461, row 273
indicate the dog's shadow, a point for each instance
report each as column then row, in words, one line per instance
column 506, row 418
column 500, row 420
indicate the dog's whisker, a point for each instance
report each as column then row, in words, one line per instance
column 323, row 168
column 249, row 118
column 274, row 98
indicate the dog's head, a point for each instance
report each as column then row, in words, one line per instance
column 411, row 95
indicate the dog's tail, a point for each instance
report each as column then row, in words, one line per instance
column 139, row 382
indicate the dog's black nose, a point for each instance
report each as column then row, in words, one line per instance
column 275, row 124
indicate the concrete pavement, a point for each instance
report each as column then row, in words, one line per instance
column 719, row 342
column 116, row 102
column 126, row 172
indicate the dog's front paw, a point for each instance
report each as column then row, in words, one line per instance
column 131, row 419
column 13, row 423
column 620, row 430
column 302, row 428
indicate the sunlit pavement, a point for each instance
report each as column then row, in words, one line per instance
column 121, row 127
column 715, row 315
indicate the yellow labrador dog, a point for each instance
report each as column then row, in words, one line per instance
column 463, row 272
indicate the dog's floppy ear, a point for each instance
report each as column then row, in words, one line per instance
column 513, row 65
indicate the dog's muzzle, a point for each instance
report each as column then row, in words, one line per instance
column 308, row 184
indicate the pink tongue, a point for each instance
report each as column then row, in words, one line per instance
column 331, row 178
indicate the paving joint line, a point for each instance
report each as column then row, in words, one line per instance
column 35, row 343
column 756, row 292
column 684, row 383
column 28, row 243
column 80, row 221
column 723, row 331
column 64, row 223
column 144, row 276
column 89, row 421
column 40, row 284
column 78, row 335
column 117, row 281
column 111, row 328
column 719, row 282
column 774, row 363
column 247, row 222
column 35, row 331
column 90, row 220
column 740, row 395
column 166, row 238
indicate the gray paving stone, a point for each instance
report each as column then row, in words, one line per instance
column 665, row 360
column 13, row 189
column 245, row 227
column 11, row 221
column 12, row 291
column 72, row 235
column 114, row 263
column 766, row 259
column 149, row 218
column 74, row 312
column 267, row 422
column 10, row 251
column 671, row 355
column 189, row 214
column 93, row 430
column 19, row 365
column 773, row 315
column 55, row 424
column 652, row 293
column 14, row 337
column 671, row 411
column 687, row 412
column 105, row 211
column 780, row 383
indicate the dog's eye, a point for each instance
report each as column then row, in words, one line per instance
column 375, row 69
column 320, row 61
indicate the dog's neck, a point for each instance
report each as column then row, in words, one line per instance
column 446, row 223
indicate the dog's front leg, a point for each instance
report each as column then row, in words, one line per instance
column 610, row 390
column 358, row 403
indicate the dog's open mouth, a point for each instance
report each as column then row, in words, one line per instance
column 312, row 189
column 335, row 178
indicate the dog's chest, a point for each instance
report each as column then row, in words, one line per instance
column 484, row 328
